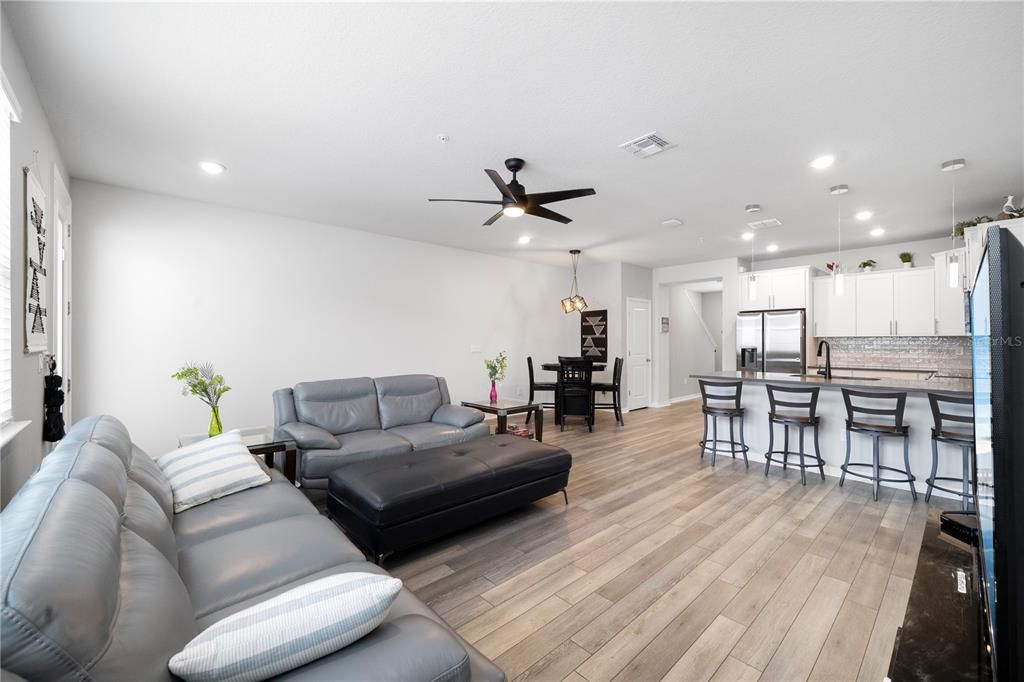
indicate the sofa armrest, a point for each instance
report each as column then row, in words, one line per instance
column 410, row 647
column 457, row 415
column 309, row 437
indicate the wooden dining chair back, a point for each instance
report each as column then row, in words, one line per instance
column 537, row 387
column 615, row 389
column 574, row 392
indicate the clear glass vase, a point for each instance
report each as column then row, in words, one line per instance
column 216, row 428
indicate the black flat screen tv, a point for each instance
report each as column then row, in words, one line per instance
column 997, row 349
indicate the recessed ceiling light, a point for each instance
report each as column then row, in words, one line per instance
column 955, row 164
column 838, row 189
column 771, row 248
column 877, row 231
column 823, row 161
column 524, row 239
column 752, row 208
column 747, row 236
column 864, row 215
column 212, row 167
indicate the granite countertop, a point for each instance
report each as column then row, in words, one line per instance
column 862, row 380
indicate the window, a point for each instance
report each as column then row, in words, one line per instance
column 7, row 116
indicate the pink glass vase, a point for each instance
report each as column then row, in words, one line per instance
column 494, row 392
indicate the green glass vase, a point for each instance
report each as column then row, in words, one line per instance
column 216, row 428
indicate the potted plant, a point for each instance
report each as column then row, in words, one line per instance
column 907, row 259
column 202, row 381
column 868, row 265
column 496, row 369
column 958, row 229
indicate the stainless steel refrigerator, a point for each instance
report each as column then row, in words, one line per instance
column 771, row 341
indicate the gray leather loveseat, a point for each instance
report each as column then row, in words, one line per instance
column 350, row 420
column 102, row 581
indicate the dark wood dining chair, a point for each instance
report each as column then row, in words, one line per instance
column 538, row 387
column 615, row 388
column 575, row 390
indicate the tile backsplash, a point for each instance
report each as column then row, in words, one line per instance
column 945, row 354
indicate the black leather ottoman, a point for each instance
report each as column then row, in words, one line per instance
column 398, row 501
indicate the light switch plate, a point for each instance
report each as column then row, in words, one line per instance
column 474, row 348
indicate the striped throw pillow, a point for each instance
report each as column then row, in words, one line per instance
column 289, row 630
column 209, row 469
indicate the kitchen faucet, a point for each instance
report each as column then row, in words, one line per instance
column 827, row 372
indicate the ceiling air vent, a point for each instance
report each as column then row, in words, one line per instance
column 646, row 145
column 764, row 224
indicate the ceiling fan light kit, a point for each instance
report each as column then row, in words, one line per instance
column 515, row 201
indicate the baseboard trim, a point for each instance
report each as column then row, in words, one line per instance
column 684, row 398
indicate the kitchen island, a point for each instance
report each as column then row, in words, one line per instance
column 832, row 412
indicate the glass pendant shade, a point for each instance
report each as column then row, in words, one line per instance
column 953, row 268
column 838, row 280
column 579, row 303
column 574, row 302
column 752, row 288
column 567, row 305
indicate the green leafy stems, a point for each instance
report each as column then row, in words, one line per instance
column 497, row 367
column 202, row 381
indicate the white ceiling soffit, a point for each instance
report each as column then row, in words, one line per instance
column 332, row 113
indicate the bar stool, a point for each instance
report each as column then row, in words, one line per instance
column 964, row 438
column 727, row 392
column 875, row 425
column 789, row 398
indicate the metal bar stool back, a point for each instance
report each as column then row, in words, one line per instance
column 722, row 399
column 794, row 407
column 950, row 413
column 877, row 415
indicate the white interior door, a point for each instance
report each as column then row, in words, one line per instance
column 61, row 339
column 638, row 353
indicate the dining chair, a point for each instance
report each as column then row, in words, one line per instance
column 615, row 388
column 538, row 387
column 575, row 391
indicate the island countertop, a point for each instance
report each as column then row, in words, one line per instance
column 854, row 379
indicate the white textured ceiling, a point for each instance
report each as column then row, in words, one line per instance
column 331, row 112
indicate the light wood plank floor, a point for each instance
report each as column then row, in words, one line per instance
column 661, row 567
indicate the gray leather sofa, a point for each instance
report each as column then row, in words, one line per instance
column 101, row 580
column 350, row 420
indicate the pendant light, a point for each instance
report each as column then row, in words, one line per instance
column 574, row 301
column 952, row 259
column 838, row 277
column 752, row 278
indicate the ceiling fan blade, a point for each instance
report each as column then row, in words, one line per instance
column 500, row 184
column 490, row 221
column 542, row 212
column 469, row 201
column 551, row 197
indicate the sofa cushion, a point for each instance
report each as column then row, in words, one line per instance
column 407, row 604
column 408, row 399
column 239, row 565
column 338, row 405
column 389, row 491
column 290, row 630
column 355, row 447
column 278, row 499
column 429, row 435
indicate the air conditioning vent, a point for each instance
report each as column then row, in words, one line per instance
column 646, row 145
column 764, row 224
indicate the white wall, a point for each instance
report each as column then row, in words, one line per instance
column 272, row 301
column 887, row 256
column 690, row 349
column 711, row 309
column 726, row 270
column 32, row 134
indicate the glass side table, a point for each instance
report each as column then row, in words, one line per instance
column 505, row 408
column 260, row 441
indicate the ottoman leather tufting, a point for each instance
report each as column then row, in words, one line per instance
column 394, row 502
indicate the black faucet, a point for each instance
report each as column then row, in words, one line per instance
column 827, row 372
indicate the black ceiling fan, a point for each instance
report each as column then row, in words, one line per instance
column 515, row 201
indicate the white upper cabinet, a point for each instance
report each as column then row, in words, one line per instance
column 950, row 312
column 914, row 302
column 874, row 304
column 775, row 290
column 834, row 315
